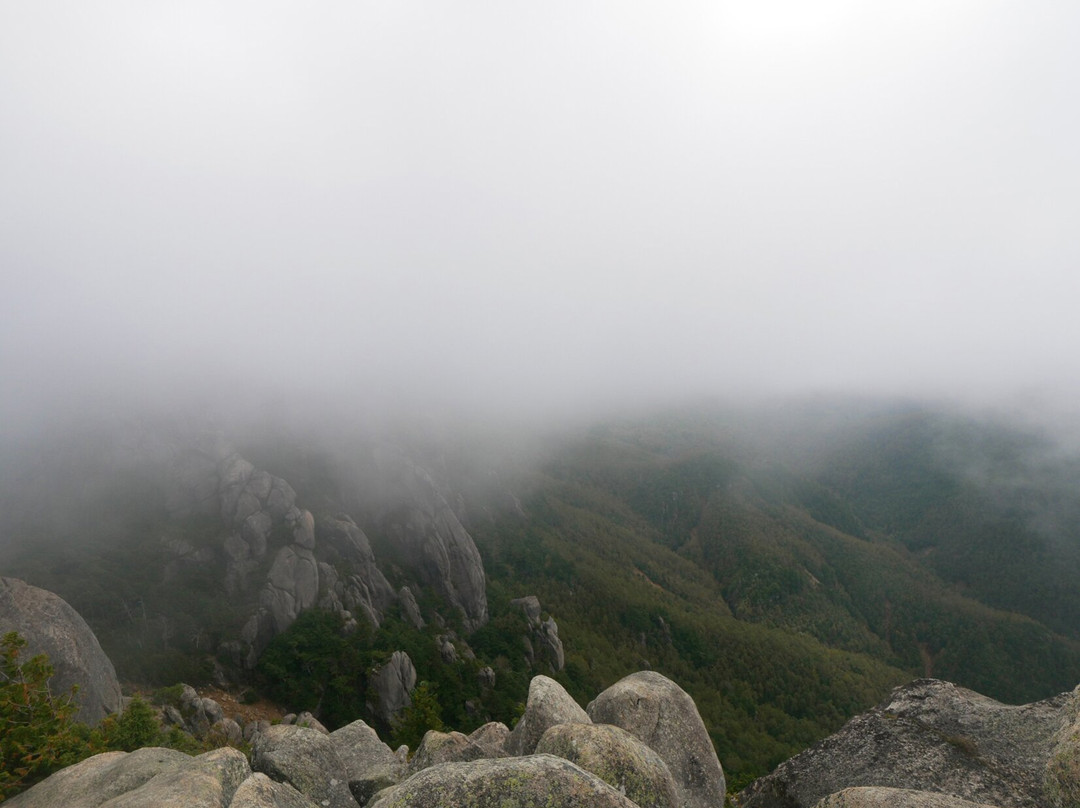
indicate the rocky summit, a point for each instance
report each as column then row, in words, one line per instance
column 576, row 763
column 640, row 745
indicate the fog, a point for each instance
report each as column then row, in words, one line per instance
column 536, row 208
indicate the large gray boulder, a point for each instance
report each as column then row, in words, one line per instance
column 1062, row 779
column 370, row 765
column 530, row 605
column 305, row 759
column 50, row 626
column 617, row 758
column 207, row 781
column 444, row 747
column 869, row 797
column 259, row 791
column 548, row 705
column 98, row 779
column 537, row 781
column 492, row 737
column 393, row 684
column 928, row 736
column 660, row 713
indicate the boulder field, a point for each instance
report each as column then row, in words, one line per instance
column 566, row 759
column 641, row 743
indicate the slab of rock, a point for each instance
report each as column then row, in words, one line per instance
column 492, row 738
column 547, row 636
column 207, row 781
column 393, row 684
column 536, row 781
column 660, row 713
column 894, row 798
column 1061, row 782
column 226, row 732
column 305, row 759
column 930, row 736
column 410, row 607
column 259, row 791
column 360, row 748
column 530, row 605
column 443, row 552
column 50, row 626
column 226, row 765
column 100, row 778
column 370, row 764
column 548, row 705
column 343, row 544
column 291, row 586
column 617, row 758
column 444, row 747
column 306, row 719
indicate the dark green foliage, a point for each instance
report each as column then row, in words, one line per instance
column 170, row 695
column 37, row 732
column 315, row 666
column 133, row 729
column 418, row 718
column 786, row 570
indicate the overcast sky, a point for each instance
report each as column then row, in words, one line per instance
column 554, row 203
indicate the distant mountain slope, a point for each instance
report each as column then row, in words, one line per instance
column 788, row 566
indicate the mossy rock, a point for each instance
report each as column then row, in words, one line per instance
column 534, row 781
column 617, row 758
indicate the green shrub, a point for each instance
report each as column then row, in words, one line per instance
column 418, row 718
column 38, row 733
column 168, row 696
column 133, row 729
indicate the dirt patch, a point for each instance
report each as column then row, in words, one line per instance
column 261, row 710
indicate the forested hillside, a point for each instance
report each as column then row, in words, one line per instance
column 787, row 566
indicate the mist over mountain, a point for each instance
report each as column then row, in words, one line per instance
column 354, row 354
column 787, row 561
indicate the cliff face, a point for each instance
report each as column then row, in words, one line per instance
column 935, row 737
column 209, row 520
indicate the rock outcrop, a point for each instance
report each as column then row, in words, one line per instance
column 617, row 758
column 50, row 626
column 259, row 791
column 305, row 759
column 537, row 781
column 444, row 747
column 370, row 765
column 544, row 641
column 1061, row 783
column 150, row 776
column 660, row 713
column 894, row 798
column 548, row 705
column 441, row 550
column 364, row 589
column 930, row 736
column 411, row 608
column 931, row 745
column 393, row 684
column 492, row 738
